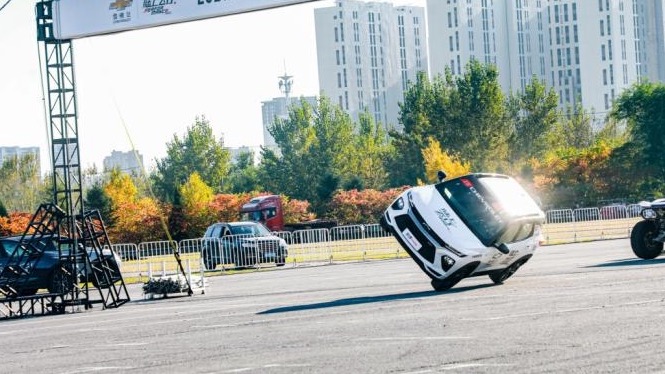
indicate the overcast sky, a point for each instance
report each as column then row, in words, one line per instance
column 142, row 87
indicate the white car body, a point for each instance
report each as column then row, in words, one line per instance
column 486, row 224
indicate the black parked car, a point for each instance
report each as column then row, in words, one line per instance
column 46, row 272
column 243, row 244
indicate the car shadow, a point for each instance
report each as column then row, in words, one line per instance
column 371, row 299
column 629, row 262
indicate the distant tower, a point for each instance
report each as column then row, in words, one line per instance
column 285, row 83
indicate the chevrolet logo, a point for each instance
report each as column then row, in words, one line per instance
column 120, row 4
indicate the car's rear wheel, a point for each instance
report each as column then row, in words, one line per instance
column 642, row 240
column 500, row 276
column 61, row 281
column 454, row 278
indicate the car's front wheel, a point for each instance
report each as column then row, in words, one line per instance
column 500, row 276
column 642, row 240
column 61, row 281
column 454, row 278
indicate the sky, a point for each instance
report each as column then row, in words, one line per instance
column 138, row 89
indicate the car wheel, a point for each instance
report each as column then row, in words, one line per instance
column 454, row 278
column 500, row 276
column 114, row 273
column 642, row 240
column 61, row 281
column 239, row 258
column 209, row 262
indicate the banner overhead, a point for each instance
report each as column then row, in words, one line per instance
column 80, row 18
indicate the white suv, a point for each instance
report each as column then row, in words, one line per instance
column 477, row 224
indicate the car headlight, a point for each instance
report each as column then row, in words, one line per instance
column 398, row 204
column 648, row 213
column 447, row 262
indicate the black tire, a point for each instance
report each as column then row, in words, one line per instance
column 60, row 282
column 240, row 259
column 642, row 240
column 499, row 276
column 440, row 285
column 208, row 262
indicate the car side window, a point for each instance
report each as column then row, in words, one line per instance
column 215, row 231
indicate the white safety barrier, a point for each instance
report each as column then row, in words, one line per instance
column 326, row 246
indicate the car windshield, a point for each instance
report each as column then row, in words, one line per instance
column 251, row 216
column 487, row 204
column 251, row 229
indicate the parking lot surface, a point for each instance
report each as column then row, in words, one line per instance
column 586, row 307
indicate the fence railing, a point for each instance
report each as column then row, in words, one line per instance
column 327, row 246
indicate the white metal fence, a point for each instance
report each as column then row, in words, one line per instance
column 327, row 246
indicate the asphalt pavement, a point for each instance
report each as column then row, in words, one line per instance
column 579, row 308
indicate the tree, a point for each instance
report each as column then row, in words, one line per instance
column 643, row 108
column 534, row 114
column 244, row 175
column 371, row 148
column 435, row 159
column 97, row 199
column 315, row 153
column 405, row 164
column 195, row 199
column 135, row 218
column 197, row 151
column 22, row 188
column 3, row 210
column 479, row 128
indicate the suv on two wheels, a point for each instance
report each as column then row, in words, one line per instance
column 477, row 224
column 243, row 244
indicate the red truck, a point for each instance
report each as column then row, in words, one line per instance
column 268, row 210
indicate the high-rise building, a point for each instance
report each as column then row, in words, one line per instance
column 127, row 162
column 7, row 153
column 588, row 51
column 367, row 52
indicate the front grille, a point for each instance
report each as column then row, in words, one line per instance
column 428, row 249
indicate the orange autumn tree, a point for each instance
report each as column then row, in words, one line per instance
column 14, row 223
column 134, row 218
column 361, row 207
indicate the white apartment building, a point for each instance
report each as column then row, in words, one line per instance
column 127, row 162
column 587, row 50
column 367, row 53
column 7, row 153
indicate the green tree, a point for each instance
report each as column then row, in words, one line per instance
column 197, row 151
column 3, row 210
column 244, row 175
column 287, row 171
column 479, row 128
column 534, row 113
column 22, row 188
column 371, row 148
column 404, row 164
column 643, row 108
column 316, row 148
column 97, row 199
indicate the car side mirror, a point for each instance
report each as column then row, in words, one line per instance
column 441, row 175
